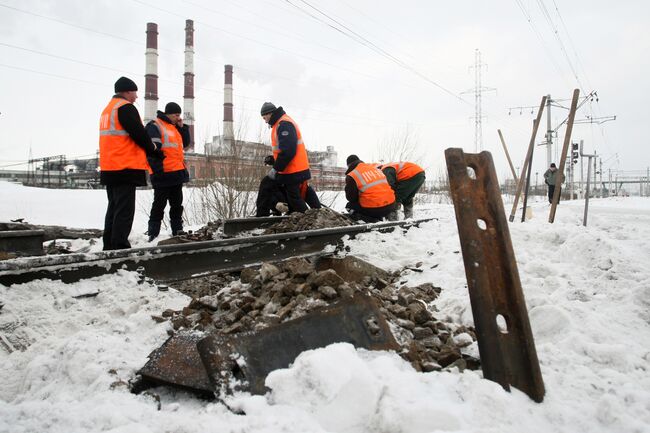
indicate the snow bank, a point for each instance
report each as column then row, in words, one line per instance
column 587, row 290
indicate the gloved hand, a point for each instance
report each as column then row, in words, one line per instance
column 282, row 207
column 269, row 160
column 158, row 153
column 271, row 174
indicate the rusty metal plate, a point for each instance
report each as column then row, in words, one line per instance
column 177, row 362
column 505, row 340
column 242, row 362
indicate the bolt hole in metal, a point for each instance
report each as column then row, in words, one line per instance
column 471, row 173
column 502, row 324
column 481, row 224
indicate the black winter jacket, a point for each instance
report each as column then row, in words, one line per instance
column 130, row 120
column 287, row 144
column 160, row 179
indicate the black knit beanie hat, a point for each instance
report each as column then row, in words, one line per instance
column 124, row 84
column 173, row 108
column 267, row 107
column 351, row 159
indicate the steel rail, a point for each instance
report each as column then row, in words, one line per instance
column 168, row 263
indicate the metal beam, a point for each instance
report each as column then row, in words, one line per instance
column 176, row 262
column 505, row 339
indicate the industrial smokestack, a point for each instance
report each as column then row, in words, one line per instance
column 188, row 94
column 151, row 73
column 228, row 131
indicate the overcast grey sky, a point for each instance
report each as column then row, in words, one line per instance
column 59, row 60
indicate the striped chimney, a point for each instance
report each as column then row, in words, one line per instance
column 228, row 131
column 188, row 93
column 151, row 73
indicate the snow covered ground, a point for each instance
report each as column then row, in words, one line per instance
column 587, row 290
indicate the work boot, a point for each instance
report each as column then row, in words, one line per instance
column 408, row 211
column 154, row 230
column 392, row 216
column 176, row 226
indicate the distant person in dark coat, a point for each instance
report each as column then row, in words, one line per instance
column 168, row 175
column 550, row 178
column 123, row 149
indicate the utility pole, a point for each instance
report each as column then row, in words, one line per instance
column 595, row 170
column 582, row 155
column 549, row 132
column 609, row 189
column 582, row 180
column 600, row 176
column 478, row 92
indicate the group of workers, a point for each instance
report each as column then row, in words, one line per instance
column 128, row 150
column 374, row 191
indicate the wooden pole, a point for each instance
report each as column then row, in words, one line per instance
column 565, row 149
column 527, row 188
column 505, row 149
column 531, row 146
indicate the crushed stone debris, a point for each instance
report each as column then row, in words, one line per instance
column 312, row 219
column 257, row 298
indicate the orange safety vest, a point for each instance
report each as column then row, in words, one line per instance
column 172, row 146
column 117, row 150
column 300, row 162
column 404, row 170
column 374, row 190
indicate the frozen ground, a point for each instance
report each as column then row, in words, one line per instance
column 587, row 290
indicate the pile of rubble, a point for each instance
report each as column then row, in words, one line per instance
column 312, row 219
column 276, row 293
column 205, row 233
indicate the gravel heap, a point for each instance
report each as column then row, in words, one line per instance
column 275, row 293
column 310, row 220
column 205, row 233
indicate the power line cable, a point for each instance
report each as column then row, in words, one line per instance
column 555, row 32
column 355, row 36
column 549, row 53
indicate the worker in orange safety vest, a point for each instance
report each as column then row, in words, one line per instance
column 370, row 197
column 291, row 164
column 123, row 149
column 171, row 136
column 405, row 178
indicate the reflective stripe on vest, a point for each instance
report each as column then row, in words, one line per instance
column 404, row 170
column 374, row 190
column 117, row 150
column 300, row 161
column 171, row 143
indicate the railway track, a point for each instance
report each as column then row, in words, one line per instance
column 169, row 263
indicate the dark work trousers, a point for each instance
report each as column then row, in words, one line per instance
column 119, row 216
column 269, row 194
column 295, row 201
column 368, row 215
column 405, row 190
column 551, row 191
column 162, row 195
column 311, row 198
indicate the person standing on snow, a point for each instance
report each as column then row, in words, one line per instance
column 168, row 175
column 123, row 149
column 370, row 197
column 405, row 178
column 291, row 164
column 550, row 178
